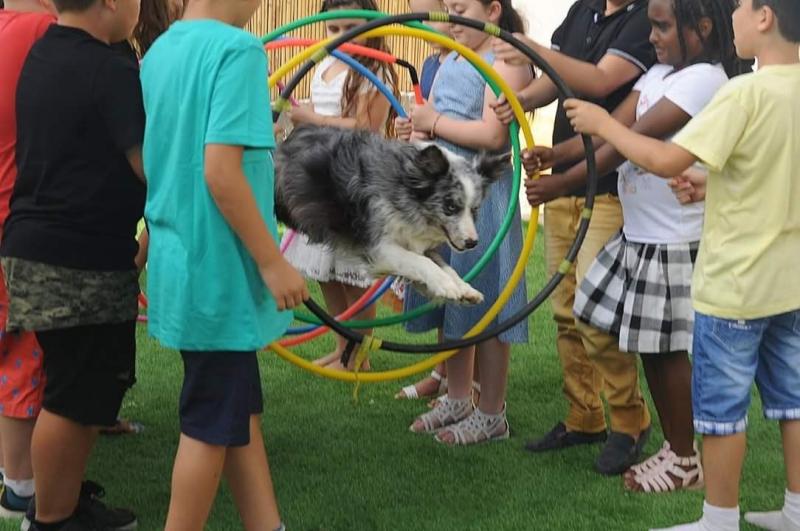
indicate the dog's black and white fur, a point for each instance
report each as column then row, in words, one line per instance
column 386, row 203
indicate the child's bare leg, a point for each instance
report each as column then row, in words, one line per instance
column 195, row 479
column 787, row 518
column 790, row 429
column 655, row 382
column 60, row 449
column 459, row 381
column 459, row 373
column 352, row 294
column 493, row 358
column 335, row 303
column 429, row 386
column 723, row 457
column 669, row 376
column 248, row 475
column 16, row 449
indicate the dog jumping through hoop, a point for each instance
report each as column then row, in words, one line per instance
column 386, row 203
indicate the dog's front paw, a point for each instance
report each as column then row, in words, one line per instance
column 443, row 289
column 470, row 295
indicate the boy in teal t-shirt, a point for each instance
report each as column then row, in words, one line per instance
column 217, row 282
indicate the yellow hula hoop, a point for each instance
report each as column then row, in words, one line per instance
column 317, row 52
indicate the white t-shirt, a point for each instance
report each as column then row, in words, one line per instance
column 652, row 212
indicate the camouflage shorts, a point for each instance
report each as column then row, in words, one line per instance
column 48, row 297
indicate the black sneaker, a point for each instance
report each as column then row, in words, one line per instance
column 11, row 505
column 106, row 518
column 91, row 511
column 559, row 438
column 73, row 524
column 621, row 452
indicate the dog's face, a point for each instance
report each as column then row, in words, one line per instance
column 449, row 190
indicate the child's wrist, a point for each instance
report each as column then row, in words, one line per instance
column 432, row 133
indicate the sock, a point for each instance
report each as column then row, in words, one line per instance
column 714, row 519
column 281, row 527
column 52, row 526
column 23, row 488
column 786, row 520
column 791, row 507
column 719, row 518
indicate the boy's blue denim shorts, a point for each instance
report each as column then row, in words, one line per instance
column 730, row 355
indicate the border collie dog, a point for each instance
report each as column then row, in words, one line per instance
column 386, row 203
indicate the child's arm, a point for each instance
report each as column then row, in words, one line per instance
column 664, row 119
column 228, row 185
column 538, row 93
column 304, row 114
column 592, row 80
column 664, row 159
column 487, row 132
column 144, row 245
column 134, row 156
column 371, row 112
column 690, row 186
column 572, row 150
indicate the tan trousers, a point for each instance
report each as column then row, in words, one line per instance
column 590, row 359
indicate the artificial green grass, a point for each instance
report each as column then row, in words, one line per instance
column 341, row 466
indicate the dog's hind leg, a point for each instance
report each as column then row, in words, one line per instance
column 471, row 294
column 391, row 258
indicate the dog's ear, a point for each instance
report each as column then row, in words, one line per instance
column 432, row 161
column 492, row 167
column 430, row 164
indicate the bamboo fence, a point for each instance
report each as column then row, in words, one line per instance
column 276, row 13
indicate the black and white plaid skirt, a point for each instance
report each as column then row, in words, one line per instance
column 641, row 293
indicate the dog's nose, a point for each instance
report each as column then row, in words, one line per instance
column 471, row 244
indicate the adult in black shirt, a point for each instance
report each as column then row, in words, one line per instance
column 600, row 50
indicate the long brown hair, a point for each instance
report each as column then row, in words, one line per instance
column 155, row 17
column 354, row 82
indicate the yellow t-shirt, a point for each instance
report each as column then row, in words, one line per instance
column 749, row 136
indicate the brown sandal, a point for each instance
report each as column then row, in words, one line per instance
column 123, row 427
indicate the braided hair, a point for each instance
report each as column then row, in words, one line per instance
column 354, row 82
column 718, row 45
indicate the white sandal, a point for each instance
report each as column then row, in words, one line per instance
column 651, row 462
column 410, row 392
column 688, row 471
column 479, row 427
column 446, row 412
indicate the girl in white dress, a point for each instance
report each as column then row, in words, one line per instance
column 341, row 97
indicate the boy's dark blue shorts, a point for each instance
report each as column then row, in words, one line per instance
column 221, row 391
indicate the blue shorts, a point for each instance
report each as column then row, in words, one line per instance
column 730, row 355
column 221, row 391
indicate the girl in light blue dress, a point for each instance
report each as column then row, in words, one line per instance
column 458, row 117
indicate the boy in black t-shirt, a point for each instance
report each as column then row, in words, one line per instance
column 601, row 48
column 69, row 243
